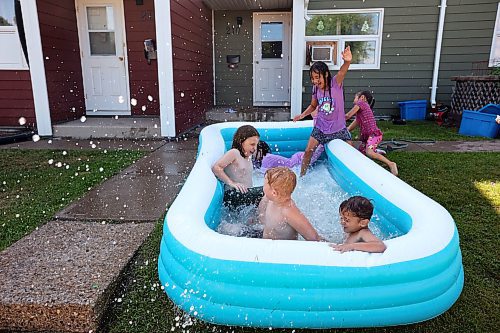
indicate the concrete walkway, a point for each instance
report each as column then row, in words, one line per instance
column 61, row 277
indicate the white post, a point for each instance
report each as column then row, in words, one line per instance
column 298, row 57
column 37, row 67
column 437, row 54
column 165, row 67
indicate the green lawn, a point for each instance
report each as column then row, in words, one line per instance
column 420, row 130
column 35, row 184
column 466, row 184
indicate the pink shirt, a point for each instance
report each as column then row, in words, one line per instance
column 331, row 117
column 366, row 121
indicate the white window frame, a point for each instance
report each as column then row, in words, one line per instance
column 495, row 41
column 9, row 47
column 341, row 39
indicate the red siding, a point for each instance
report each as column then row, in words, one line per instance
column 140, row 25
column 192, row 61
column 63, row 69
column 16, row 98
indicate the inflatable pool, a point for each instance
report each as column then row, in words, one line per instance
column 256, row 282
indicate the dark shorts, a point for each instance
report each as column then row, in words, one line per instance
column 234, row 198
column 323, row 138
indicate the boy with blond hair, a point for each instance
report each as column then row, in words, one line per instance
column 277, row 210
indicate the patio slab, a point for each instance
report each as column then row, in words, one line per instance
column 61, row 276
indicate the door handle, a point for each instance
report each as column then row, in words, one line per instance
column 257, row 62
column 121, row 58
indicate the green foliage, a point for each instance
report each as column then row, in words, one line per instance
column 495, row 70
column 466, row 184
column 35, row 184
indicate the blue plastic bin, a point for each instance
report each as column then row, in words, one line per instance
column 481, row 122
column 413, row 110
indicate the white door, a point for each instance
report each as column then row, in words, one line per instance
column 102, row 43
column 271, row 59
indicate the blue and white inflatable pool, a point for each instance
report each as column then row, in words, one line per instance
column 268, row 283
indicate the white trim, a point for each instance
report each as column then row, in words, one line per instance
column 213, row 55
column 496, row 40
column 298, row 58
column 437, row 52
column 37, row 67
column 342, row 38
column 165, row 67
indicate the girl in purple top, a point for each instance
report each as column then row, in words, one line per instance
column 370, row 135
column 328, row 96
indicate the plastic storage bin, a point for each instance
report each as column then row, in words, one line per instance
column 413, row 110
column 481, row 122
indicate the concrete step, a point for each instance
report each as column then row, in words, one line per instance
column 226, row 113
column 112, row 127
column 60, row 277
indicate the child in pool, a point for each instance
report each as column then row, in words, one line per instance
column 370, row 135
column 264, row 160
column 277, row 210
column 355, row 213
column 328, row 96
column 235, row 168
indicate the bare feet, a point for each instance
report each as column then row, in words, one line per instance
column 394, row 168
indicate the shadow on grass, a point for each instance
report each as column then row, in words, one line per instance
column 448, row 178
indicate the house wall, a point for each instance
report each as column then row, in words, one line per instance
column 140, row 25
column 192, row 62
column 16, row 98
column 408, row 47
column 233, row 87
column 61, row 51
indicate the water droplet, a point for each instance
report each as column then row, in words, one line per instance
column 150, row 98
column 182, row 94
column 133, row 101
column 36, row 138
column 22, row 121
column 83, row 119
column 121, row 99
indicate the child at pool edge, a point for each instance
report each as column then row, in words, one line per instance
column 370, row 134
column 355, row 214
column 281, row 218
column 264, row 159
column 328, row 96
column 235, row 169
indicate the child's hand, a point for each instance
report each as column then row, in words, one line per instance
column 346, row 54
column 296, row 118
column 239, row 187
column 342, row 247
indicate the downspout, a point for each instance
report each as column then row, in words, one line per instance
column 437, row 54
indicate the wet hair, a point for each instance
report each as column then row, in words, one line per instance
column 242, row 133
column 262, row 150
column 368, row 95
column 322, row 69
column 359, row 206
column 282, row 180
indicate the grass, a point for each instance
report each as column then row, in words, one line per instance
column 35, row 184
column 466, row 184
column 420, row 131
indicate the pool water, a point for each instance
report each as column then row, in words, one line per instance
column 317, row 195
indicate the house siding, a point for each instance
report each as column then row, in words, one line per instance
column 192, row 62
column 233, row 87
column 408, row 47
column 61, row 51
column 16, row 98
column 140, row 25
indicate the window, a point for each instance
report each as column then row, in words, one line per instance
column 495, row 44
column 330, row 31
column 12, row 56
column 271, row 35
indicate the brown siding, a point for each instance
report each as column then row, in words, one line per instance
column 192, row 62
column 61, row 51
column 16, row 98
column 140, row 25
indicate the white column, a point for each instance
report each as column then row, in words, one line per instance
column 165, row 67
column 37, row 67
column 437, row 52
column 298, row 56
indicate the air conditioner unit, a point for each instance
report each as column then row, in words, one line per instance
column 322, row 53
